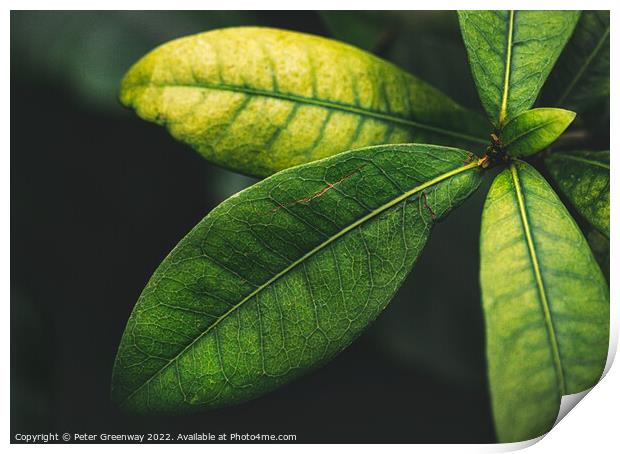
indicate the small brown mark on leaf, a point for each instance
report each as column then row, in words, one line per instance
column 322, row 192
column 470, row 158
column 428, row 207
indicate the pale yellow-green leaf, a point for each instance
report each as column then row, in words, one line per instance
column 258, row 100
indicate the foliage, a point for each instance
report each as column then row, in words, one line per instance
column 318, row 252
column 547, row 325
column 322, row 96
column 284, row 275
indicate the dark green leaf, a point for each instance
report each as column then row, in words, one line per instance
column 583, row 176
column 511, row 54
column 545, row 300
column 534, row 130
column 580, row 79
column 258, row 100
column 600, row 248
column 281, row 277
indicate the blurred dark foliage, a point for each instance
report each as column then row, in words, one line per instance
column 99, row 197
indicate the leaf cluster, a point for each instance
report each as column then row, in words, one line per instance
column 361, row 160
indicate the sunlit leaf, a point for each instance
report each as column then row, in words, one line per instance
column 545, row 300
column 511, row 54
column 534, row 130
column 282, row 276
column 259, row 100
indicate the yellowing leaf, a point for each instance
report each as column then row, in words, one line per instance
column 258, row 100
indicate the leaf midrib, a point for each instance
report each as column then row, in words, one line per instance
column 334, row 105
column 583, row 67
column 504, row 106
column 539, row 280
column 306, row 256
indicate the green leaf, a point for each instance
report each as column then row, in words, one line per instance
column 583, row 176
column 600, row 248
column 534, row 130
column 545, row 301
column 284, row 275
column 258, row 100
column 580, row 79
column 511, row 54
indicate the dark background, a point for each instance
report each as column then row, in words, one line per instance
column 99, row 197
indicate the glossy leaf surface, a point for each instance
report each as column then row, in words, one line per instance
column 583, row 176
column 580, row 78
column 511, row 54
column 258, row 100
column 535, row 130
column 545, row 301
column 282, row 276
